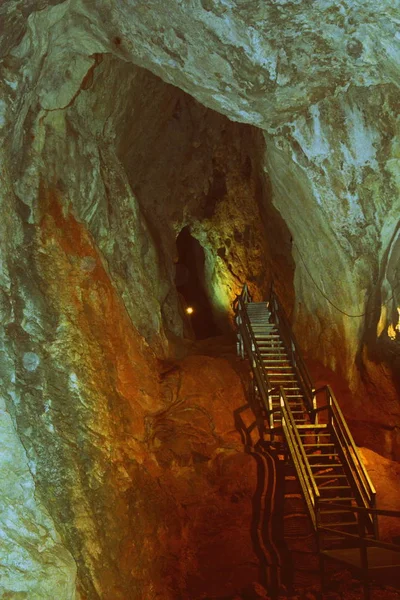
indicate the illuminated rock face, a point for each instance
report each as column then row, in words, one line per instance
column 320, row 80
column 102, row 165
column 130, row 472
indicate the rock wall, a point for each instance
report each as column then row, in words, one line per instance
column 319, row 79
column 135, row 495
column 143, row 479
column 102, row 165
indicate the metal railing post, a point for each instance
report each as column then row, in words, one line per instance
column 329, row 403
column 271, row 413
column 315, row 417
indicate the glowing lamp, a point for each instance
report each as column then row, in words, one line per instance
column 189, row 310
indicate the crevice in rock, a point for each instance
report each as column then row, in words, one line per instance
column 190, row 283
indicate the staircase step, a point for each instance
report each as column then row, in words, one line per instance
column 312, row 430
column 285, row 377
column 337, row 511
column 305, row 434
column 326, row 466
column 331, row 476
column 320, row 426
column 321, row 454
column 341, row 524
column 334, row 487
column 269, row 346
column 262, row 319
column 279, row 367
column 257, row 305
column 317, row 445
column 292, row 400
column 290, row 388
column 267, row 336
column 282, row 378
column 267, row 357
column 337, row 499
column 273, row 356
column 293, row 407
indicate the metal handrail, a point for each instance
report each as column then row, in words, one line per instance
column 299, row 457
column 364, row 487
column 292, row 346
column 360, row 481
column 245, row 294
column 253, row 353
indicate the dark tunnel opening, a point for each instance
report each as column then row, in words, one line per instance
column 189, row 281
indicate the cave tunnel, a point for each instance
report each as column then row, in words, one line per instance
column 189, row 281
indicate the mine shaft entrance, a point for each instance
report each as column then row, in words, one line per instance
column 190, row 283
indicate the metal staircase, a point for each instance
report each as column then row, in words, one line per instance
column 309, row 427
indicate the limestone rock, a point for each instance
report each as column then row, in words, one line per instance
column 102, row 165
column 322, row 83
column 34, row 561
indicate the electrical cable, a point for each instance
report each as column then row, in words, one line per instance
column 327, row 298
